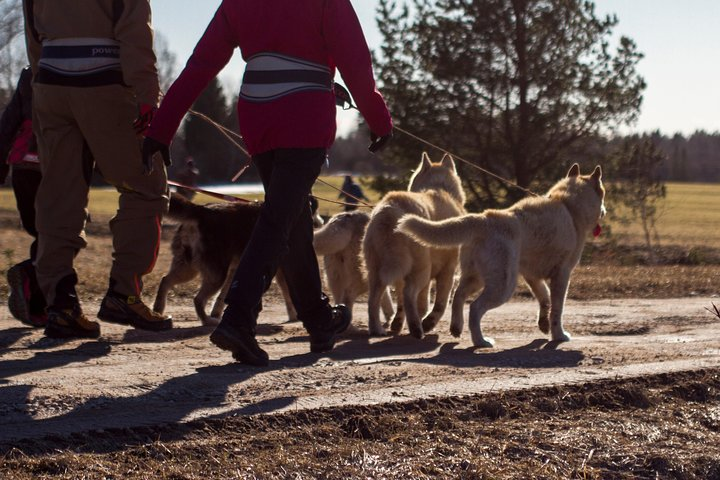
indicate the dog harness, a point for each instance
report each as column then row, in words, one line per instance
column 269, row 76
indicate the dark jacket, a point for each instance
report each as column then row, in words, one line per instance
column 16, row 137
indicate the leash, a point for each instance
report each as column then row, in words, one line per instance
column 343, row 98
column 221, row 196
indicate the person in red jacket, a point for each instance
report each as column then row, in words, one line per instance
column 18, row 148
column 286, row 112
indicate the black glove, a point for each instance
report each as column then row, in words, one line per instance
column 378, row 143
column 150, row 147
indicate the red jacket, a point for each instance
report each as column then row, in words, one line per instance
column 325, row 32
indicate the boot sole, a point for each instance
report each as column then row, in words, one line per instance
column 123, row 320
column 239, row 351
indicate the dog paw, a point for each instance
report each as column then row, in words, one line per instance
column 416, row 331
column 563, row 337
column 211, row 322
column 429, row 323
column 544, row 325
column 455, row 331
column 485, row 342
column 378, row 331
column 397, row 325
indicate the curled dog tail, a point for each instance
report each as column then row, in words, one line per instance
column 183, row 209
column 339, row 232
column 444, row 233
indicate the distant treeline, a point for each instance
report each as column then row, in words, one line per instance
column 688, row 159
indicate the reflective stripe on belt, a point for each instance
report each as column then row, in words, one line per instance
column 269, row 76
column 80, row 56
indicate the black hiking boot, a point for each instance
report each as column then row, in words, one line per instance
column 323, row 339
column 241, row 342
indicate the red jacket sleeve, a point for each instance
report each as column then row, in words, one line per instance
column 351, row 54
column 211, row 54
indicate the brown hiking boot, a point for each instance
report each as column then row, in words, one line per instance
column 70, row 323
column 132, row 311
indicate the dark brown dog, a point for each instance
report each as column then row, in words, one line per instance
column 209, row 241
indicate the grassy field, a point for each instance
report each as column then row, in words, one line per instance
column 689, row 214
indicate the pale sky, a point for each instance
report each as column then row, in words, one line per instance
column 680, row 40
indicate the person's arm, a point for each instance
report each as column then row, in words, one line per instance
column 137, row 57
column 351, row 53
column 12, row 118
column 32, row 42
column 211, row 54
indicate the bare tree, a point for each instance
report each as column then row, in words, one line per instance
column 12, row 46
column 166, row 61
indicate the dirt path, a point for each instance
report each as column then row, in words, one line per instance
column 131, row 378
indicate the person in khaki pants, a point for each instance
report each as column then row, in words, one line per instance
column 95, row 89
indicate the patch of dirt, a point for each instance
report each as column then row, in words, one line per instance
column 634, row 394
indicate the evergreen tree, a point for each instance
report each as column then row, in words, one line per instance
column 511, row 85
column 203, row 141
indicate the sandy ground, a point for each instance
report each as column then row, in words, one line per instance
column 130, row 378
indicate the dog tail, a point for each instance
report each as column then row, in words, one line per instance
column 444, row 233
column 338, row 232
column 183, row 209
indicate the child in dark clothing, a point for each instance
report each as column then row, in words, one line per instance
column 18, row 149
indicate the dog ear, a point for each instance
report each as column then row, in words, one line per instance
column 425, row 163
column 448, row 162
column 597, row 173
column 574, row 170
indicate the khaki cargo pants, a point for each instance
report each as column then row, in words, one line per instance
column 67, row 120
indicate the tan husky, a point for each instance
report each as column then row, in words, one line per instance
column 540, row 238
column 339, row 241
column 393, row 258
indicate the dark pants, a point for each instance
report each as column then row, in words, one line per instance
column 25, row 182
column 283, row 237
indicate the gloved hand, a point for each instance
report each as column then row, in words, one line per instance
column 378, row 143
column 151, row 147
column 145, row 116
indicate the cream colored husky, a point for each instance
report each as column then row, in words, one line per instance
column 540, row 238
column 339, row 241
column 393, row 258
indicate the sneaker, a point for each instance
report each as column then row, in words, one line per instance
column 241, row 342
column 132, row 311
column 70, row 323
column 324, row 340
column 19, row 298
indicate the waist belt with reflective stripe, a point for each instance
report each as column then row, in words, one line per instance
column 80, row 56
column 269, row 76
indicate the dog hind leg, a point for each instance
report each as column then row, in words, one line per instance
column 467, row 286
column 500, row 281
column 443, row 285
column 180, row 272
column 219, row 304
column 375, row 290
column 542, row 294
column 558, row 291
column 212, row 282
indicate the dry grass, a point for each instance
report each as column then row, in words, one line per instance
column 664, row 426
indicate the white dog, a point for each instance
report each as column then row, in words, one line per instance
column 540, row 238
column 393, row 258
